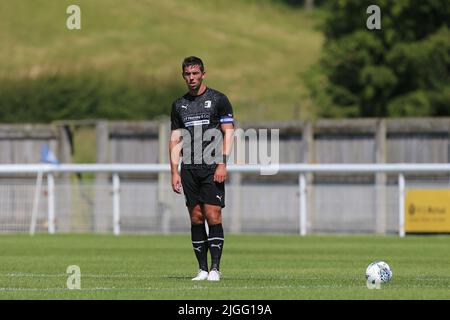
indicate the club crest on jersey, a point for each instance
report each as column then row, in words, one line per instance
column 208, row 104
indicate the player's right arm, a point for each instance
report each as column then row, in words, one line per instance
column 174, row 155
column 175, row 146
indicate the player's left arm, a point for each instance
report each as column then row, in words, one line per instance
column 228, row 134
column 227, row 128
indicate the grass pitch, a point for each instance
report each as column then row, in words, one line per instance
column 271, row 267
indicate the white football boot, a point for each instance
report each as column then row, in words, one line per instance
column 214, row 275
column 201, row 275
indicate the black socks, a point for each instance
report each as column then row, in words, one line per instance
column 215, row 240
column 201, row 242
column 200, row 245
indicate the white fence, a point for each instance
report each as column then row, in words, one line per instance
column 277, row 207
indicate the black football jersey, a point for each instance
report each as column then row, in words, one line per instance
column 198, row 114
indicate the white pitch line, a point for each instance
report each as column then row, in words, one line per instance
column 51, row 275
column 197, row 288
column 432, row 279
column 164, row 289
column 125, row 275
column 63, row 275
column 53, row 289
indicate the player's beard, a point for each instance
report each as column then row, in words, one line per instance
column 195, row 86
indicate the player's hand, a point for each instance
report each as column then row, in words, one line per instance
column 221, row 173
column 176, row 183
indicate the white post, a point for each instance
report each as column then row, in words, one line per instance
column 401, row 207
column 116, row 204
column 37, row 193
column 302, row 211
column 164, row 204
column 51, row 203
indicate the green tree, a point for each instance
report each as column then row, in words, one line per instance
column 401, row 69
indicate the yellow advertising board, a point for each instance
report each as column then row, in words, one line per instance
column 427, row 210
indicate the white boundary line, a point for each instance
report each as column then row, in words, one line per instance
column 178, row 276
column 6, row 289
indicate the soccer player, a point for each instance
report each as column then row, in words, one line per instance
column 202, row 134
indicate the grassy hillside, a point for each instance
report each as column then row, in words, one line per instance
column 254, row 50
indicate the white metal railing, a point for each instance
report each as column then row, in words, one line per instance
column 300, row 169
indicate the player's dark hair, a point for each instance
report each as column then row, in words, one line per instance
column 192, row 61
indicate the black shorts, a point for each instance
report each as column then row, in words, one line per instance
column 199, row 187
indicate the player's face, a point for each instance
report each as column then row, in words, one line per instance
column 193, row 77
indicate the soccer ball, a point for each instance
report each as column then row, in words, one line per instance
column 378, row 272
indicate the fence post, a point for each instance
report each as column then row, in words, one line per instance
column 380, row 177
column 101, row 179
column 35, row 210
column 51, row 203
column 309, row 155
column 401, row 210
column 116, row 204
column 302, row 208
column 164, row 204
column 238, row 157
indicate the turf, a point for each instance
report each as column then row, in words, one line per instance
column 273, row 267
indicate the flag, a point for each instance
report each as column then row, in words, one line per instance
column 47, row 156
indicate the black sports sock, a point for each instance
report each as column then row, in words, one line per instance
column 200, row 244
column 215, row 240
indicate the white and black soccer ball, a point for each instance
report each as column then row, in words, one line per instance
column 378, row 272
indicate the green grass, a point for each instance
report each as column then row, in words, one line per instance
column 253, row 266
column 254, row 51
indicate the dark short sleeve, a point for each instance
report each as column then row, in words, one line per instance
column 225, row 110
column 175, row 121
